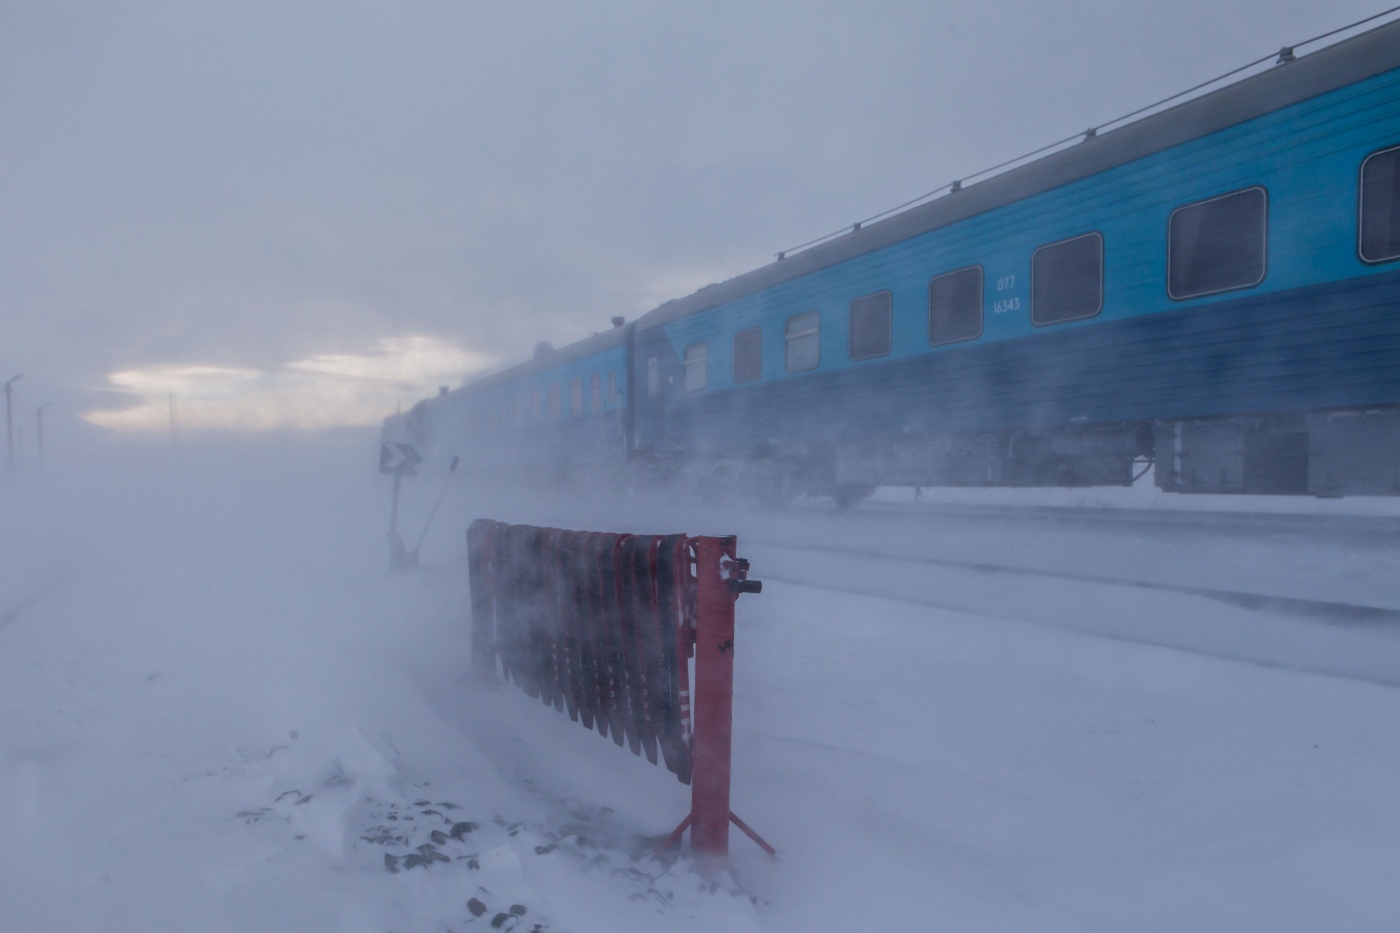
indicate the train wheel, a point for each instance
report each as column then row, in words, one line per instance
column 848, row 496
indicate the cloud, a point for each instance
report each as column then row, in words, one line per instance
column 322, row 391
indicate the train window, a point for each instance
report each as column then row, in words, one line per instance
column 554, row 403
column 748, row 355
column 653, row 378
column 955, row 306
column 576, row 395
column 612, row 386
column 871, row 326
column 1380, row 206
column 1217, row 245
column 535, row 411
column 1067, row 279
column 697, row 366
column 802, row 336
column 595, row 393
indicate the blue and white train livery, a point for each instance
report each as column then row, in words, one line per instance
column 1214, row 288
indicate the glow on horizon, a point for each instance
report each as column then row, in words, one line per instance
column 322, row 391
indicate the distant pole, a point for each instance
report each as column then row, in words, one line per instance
column 10, row 422
column 39, row 425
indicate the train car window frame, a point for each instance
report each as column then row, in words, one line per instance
column 576, row 396
column 556, row 404
column 595, row 391
column 696, row 360
column 1361, row 211
column 1078, row 317
column 748, row 355
column 1173, row 294
column 789, row 338
column 612, row 386
column 536, row 405
column 653, row 377
column 981, row 304
column 869, row 349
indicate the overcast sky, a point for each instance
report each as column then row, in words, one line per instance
column 255, row 200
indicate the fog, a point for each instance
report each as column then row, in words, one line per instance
column 233, row 240
column 198, row 638
column 251, row 185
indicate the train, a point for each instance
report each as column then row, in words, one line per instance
column 1211, row 292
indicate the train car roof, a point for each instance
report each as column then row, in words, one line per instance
column 1371, row 53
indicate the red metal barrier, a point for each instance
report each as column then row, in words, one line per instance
column 603, row 626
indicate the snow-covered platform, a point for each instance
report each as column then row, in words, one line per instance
column 219, row 711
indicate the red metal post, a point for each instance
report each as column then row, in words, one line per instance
column 714, row 700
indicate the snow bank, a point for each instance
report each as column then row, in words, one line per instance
column 219, row 711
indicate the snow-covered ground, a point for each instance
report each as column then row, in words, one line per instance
column 219, row 711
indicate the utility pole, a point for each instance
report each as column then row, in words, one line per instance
column 39, row 425
column 10, row 422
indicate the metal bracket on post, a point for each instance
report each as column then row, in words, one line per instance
column 720, row 577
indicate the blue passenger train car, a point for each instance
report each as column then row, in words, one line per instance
column 558, row 415
column 1214, row 289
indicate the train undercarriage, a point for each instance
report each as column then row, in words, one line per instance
column 1325, row 454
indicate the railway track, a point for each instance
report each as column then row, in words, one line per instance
column 1354, row 641
column 1379, row 530
column 1323, row 610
